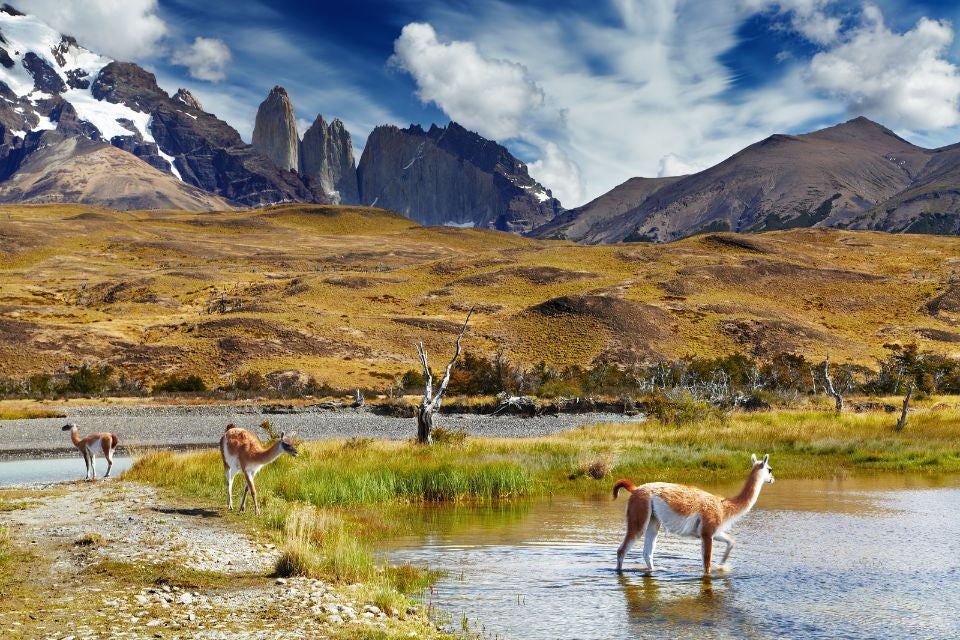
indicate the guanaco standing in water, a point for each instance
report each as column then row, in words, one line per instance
column 89, row 446
column 243, row 453
column 688, row 511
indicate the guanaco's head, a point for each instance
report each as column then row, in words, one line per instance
column 764, row 467
column 286, row 442
column 69, row 427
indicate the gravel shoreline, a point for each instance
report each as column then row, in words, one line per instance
column 181, row 427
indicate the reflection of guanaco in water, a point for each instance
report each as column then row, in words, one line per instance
column 687, row 511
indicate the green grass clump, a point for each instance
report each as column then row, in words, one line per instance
column 5, row 549
column 89, row 540
column 25, row 413
column 338, row 475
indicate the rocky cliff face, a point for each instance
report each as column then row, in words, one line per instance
column 326, row 159
column 450, row 175
column 275, row 131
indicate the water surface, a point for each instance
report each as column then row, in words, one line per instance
column 16, row 472
column 864, row 558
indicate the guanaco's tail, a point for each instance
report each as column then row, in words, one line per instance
column 230, row 426
column 114, row 441
column 623, row 484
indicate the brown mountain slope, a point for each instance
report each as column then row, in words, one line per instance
column 857, row 174
column 929, row 205
column 81, row 170
column 585, row 222
column 344, row 293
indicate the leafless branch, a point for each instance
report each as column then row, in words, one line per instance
column 446, row 376
column 427, row 376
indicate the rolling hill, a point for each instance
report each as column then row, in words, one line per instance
column 343, row 293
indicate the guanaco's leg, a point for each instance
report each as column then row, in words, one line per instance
column 108, row 454
column 638, row 515
column 93, row 464
column 243, row 498
column 253, row 492
column 730, row 540
column 86, row 462
column 650, row 542
column 706, row 541
column 229, row 475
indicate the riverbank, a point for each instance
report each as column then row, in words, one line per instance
column 118, row 559
column 141, row 428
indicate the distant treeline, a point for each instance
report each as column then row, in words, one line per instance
column 732, row 380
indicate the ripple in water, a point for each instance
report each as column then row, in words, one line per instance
column 866, row 558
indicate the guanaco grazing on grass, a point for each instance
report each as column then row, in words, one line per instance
column 243, row 453
column 689, row 512
column 91, row 445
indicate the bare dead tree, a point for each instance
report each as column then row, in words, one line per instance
column 431, row 401
column 829, row 385
column 901, row 423
column 357, row 399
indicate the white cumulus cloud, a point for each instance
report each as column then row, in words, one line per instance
column 122, row 29
column 902, row 79
column 810, row 18
column 488, row 95
column 206, row 58
column 559, row 173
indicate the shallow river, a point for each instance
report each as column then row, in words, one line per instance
column 864, row 558
column 55, row 469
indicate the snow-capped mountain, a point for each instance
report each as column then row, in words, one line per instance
column 52, row 89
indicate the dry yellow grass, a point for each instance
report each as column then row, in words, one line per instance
column 343, row 293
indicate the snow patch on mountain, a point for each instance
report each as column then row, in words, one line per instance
column 25, row 34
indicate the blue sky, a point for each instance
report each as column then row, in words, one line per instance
column 589, row 94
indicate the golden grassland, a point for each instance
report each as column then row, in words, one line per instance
column 342, row 293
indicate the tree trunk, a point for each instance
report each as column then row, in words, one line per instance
column 901, row 423
column 838, row 399
column 424, row 425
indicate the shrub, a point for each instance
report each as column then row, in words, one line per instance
column 681, row 410
column 89, row 380
column 452, row 437
column 181, row 383
column 249, row 381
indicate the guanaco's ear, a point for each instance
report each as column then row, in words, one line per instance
column 753, row 458
column 282, row 433
column 766, row 457
column 293, row 434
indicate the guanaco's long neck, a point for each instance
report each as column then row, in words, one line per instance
column 268, row 455
column 744, row 501
column 75, row 436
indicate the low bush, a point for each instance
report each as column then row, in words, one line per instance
column 180, row 383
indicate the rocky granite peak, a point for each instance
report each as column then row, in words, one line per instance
column 187, row 98
column 326, row 160
column 449, row 175
column 275, row 130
